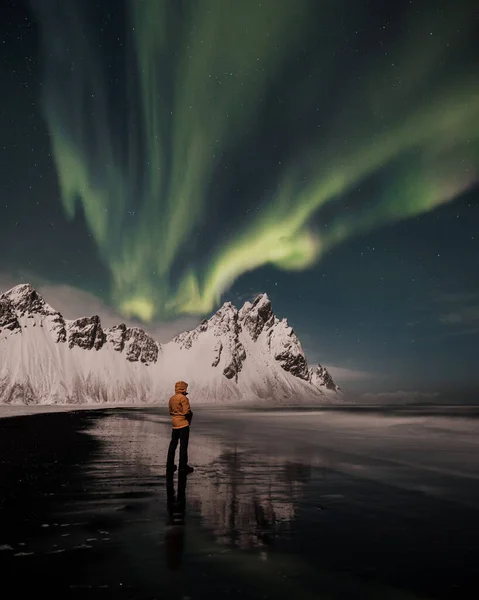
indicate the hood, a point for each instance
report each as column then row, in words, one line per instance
column 180, row 387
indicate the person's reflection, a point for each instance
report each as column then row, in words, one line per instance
column 175, row 530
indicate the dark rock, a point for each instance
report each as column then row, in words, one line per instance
column 140, row 346
column 26, row 301
column 296, row 365
column 8, row 318
column 258, row 316
column 238, row 356
column 217, row 354
column 224, row 323
column 320, row 377
column 287, row 350
column 57, row 327
column 116, row 336
column 86, row 333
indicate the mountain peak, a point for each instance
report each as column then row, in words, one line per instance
column 8, row 317
column 25, row 303
column 25, row 299
column 224, row 320
column 226, row 306
column 86, row 333
column 257, row 316
column 321, row 378
column 287, row 349
column 262, row 297
column 233, row 355
column 19, row 291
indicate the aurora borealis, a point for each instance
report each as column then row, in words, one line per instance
column 195, row 149
column 194, row 75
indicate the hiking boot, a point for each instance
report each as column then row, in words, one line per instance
column 186, row 469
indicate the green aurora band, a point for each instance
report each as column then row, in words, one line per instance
column 198, row 83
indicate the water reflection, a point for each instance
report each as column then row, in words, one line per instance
column 175, row 530
column 246, row 495
column 249, row 500
column 319, row 504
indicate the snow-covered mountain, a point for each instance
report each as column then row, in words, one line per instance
column 245, row 356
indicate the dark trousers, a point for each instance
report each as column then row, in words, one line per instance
column 178, row 435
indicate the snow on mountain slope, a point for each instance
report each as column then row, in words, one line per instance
column 233, row 357
column 47, row 359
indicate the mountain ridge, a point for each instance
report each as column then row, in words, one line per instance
column 233, row 355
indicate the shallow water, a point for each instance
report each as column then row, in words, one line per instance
column 282, row 504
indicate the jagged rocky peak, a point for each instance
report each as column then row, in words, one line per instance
column 321, row 378
column 228, row 352
column 224, row 321
column 8, row 318
column 186, row 339
column 244, row 310
column 258, row 316
column 26, row 302
column 231, row 353
column 116, row 336
column 26, row 299
column 287, row 350
column 86, row 333
column 140, row 346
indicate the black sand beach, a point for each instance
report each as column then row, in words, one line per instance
column 281, row 505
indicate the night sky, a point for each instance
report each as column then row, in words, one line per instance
column 160, row 157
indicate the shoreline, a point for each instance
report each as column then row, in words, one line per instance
column 24, row 410
column 424, row 410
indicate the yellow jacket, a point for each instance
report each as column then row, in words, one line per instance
column 179, row 406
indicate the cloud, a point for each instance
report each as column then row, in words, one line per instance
column 414, row 323
column 457, row 297
column 461, row 312
column 343, row 374
column 399, row 395
column 467, row 331
column 465, row 314
column 450, row 318
column 74, row 303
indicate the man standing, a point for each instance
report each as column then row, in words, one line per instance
column 181, row 416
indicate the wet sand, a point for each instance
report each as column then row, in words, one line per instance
column 281, row 505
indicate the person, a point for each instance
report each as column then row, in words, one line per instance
column 181, row 416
